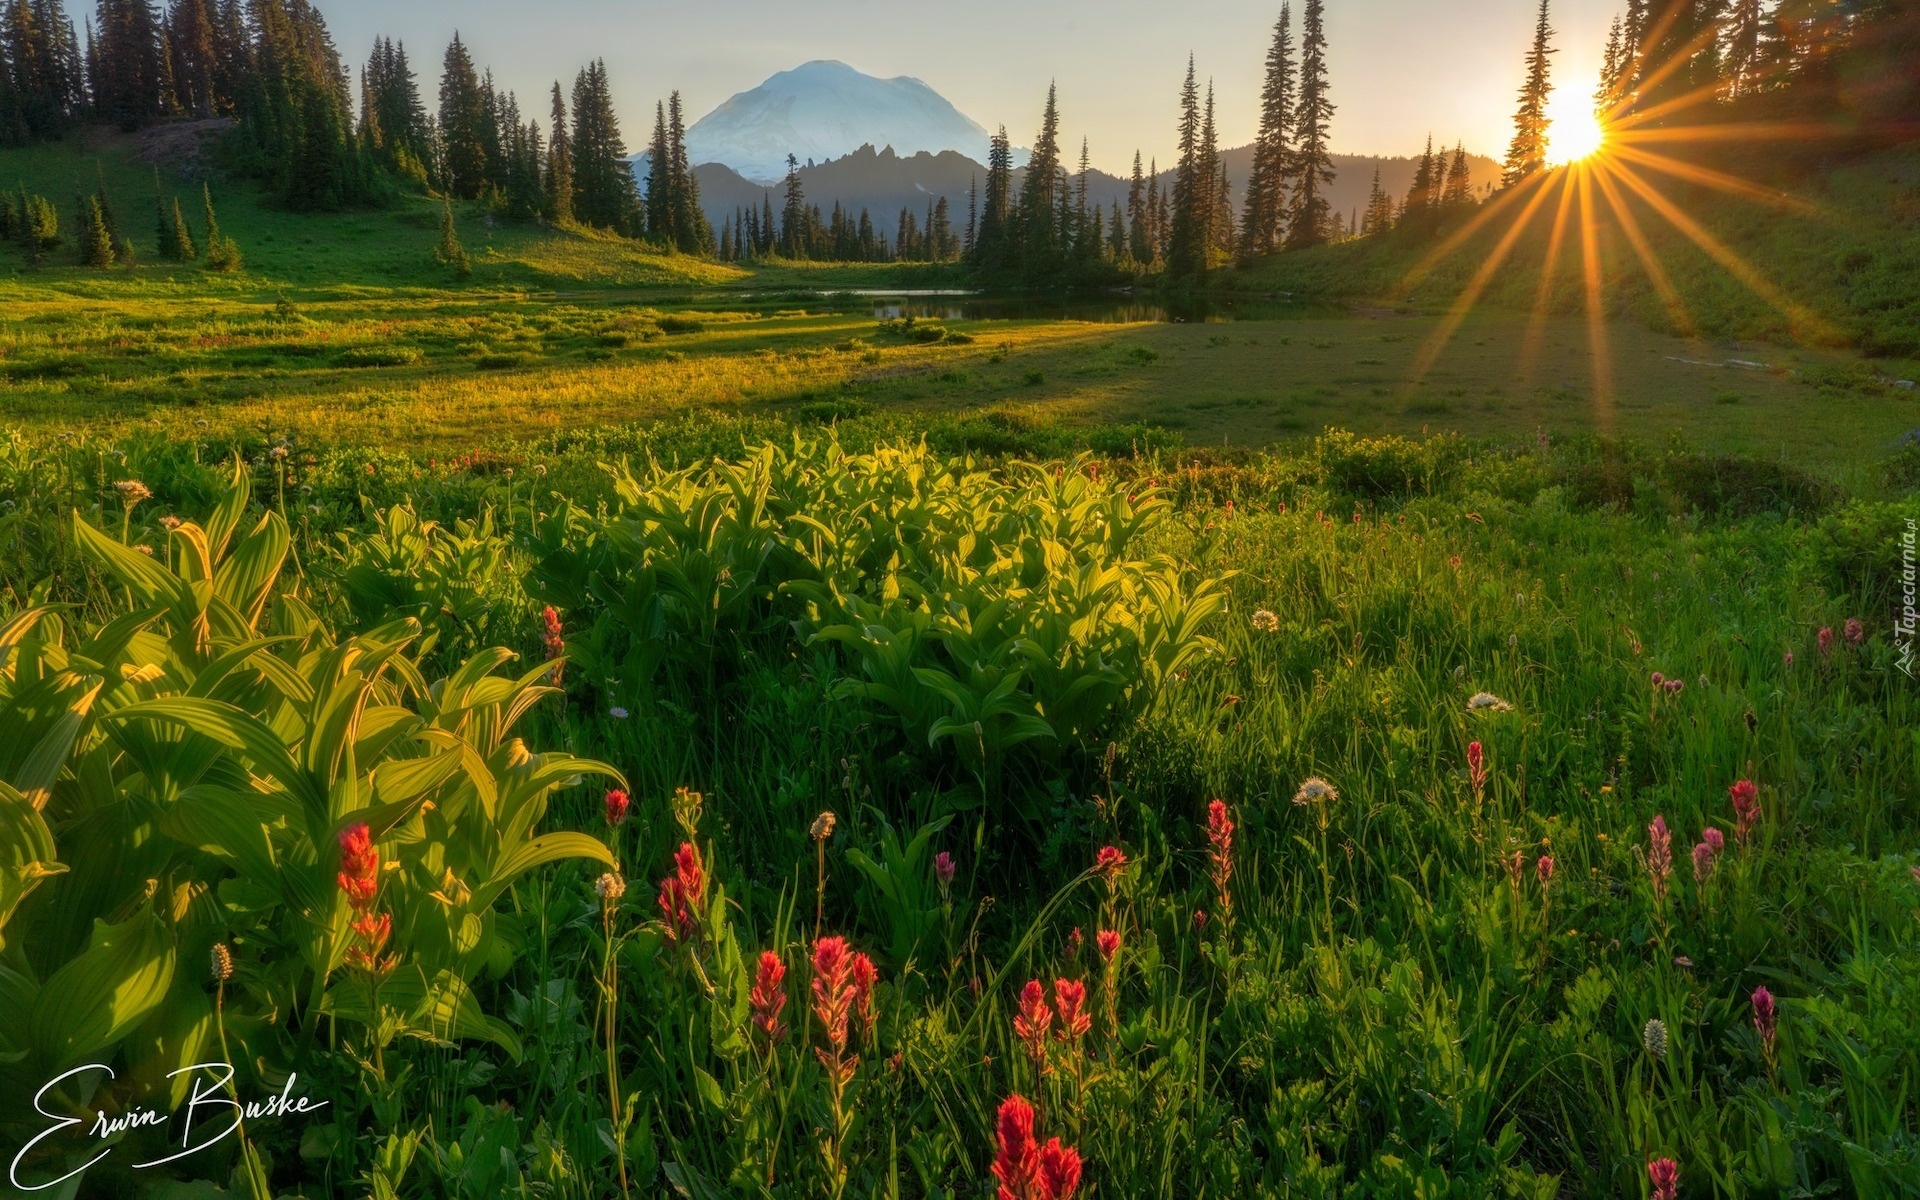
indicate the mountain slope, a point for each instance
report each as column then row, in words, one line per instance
column 883, row 182
column 825, row 109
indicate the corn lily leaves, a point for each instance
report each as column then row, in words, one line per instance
column 101, row 994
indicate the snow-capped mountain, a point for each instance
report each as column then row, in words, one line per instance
column 823, row 110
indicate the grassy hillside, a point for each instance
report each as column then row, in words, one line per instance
column 1844, row 244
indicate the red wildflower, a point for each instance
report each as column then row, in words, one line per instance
column 617, row 806
column 1220, row 852
column 864, row 977
column 1664, row 1174
column 1659, row 854
column 769, row 997
column 943, row 870
column 1110, row 862
column 1070, row 996
column 1714, row 838
column 1746, row 808
column 1543, row 871
column 1826, row 642
column 1073, row 943
column 551, row 638
column 1030, row 1024
column 1477, row 767
column 683, row 894
column 1856, row 632
column 1059, row 1171
column 1109, row 943
column 1765, row 1019
column 1017, row 1165
column 1703, row 856
column 359, row 875
column 832, row 1003
column 1199, row 918
column 372, row 930
column 1658, row 679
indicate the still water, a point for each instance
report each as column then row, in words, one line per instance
column 1105, row 308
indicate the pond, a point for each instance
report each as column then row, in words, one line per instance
column 1111, row 308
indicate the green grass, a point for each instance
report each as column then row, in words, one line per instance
column 1389, row 1010
column 1834, row 243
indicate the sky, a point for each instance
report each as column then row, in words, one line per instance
column 1399, row 69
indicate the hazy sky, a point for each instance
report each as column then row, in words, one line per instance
column 1399, row 68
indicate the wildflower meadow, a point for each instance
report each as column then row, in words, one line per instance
column 816, row 821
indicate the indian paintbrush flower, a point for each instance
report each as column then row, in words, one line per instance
column 833, row 994
column 1059, row 1171
column 1825, row 640
column 551, row 639
column 1664, row 1174
column 1017, row 1164
column 1109, row 864
column 943, row 872
column 768, row 999
column 618, row 805
column 1477, row 768
column 1659, row 855
column 359, row 875
column 1746, row 808
column 1220, row 854
column 1543, row 871
column 1765, row 1019
column 1031, row 1022
column 683, row 894
column 1070, row 999
column 864, row 977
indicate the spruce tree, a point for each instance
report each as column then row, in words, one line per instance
column 559, row 177
column 463, row 123
column 1614, row 63
column 96, row 242
column 1187, row 242
column 449, row 252
column 793, row 214
column 223, row 254
column 1266, row 199
column 992, row 245
column 1423, row 193
column 182, row 239
column 1039, row 229
column 1307, row 214
column 166, row 243
column 1140, row 250
column 1379, row 212
column 1742, row 61
column 1527, row 154
column 1216, row 218
column 1458, row 191
column 604, row 193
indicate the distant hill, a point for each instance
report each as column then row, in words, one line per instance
column 822, row 110
column 884, row 181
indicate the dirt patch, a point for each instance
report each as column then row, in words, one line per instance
column 186, row 146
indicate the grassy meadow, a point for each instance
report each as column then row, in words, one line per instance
column 617, row 725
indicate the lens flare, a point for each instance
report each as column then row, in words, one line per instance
column 1576, row 132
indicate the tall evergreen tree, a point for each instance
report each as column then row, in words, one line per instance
column 463, row 123
column 1615, row 65
column 130, row 86
column 1139, row 249
column 1378, row 217
column 1458, row 192
column 1187, row 240
column 1528, row 152
column 1313, row 172
column 992, row 245
column 793, row 214
column 604, row 193
column 1266, row 199
column 1742, row 61
column 559, row 174
column 195, row 64
column 691, row 233
column 1040, row 228
column 1424, row 194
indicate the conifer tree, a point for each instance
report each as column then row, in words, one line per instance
column 1216, row 217
column 1313, row 172
column 1458, row 192
column 166, row 242
column 973, row 215
column 793, row 214
column 559, row 174
column 1423, row 193
column 992, row 245
column 1140, row 250
column 1378, row 217
column 604, row 193
column 194, row 61
column 1742, row 62
column 223, row 254
column 1187, row 241
column 96, row 242
column 182, row 238
column 1528, row 152
column 659, row 189
column 1266, row 198
column 463, row 123
column 129, row 86
column 449, row 252
column 1039, row 236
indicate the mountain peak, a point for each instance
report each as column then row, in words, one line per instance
column 825, row 109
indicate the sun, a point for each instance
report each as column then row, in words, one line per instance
column 1576, row 132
